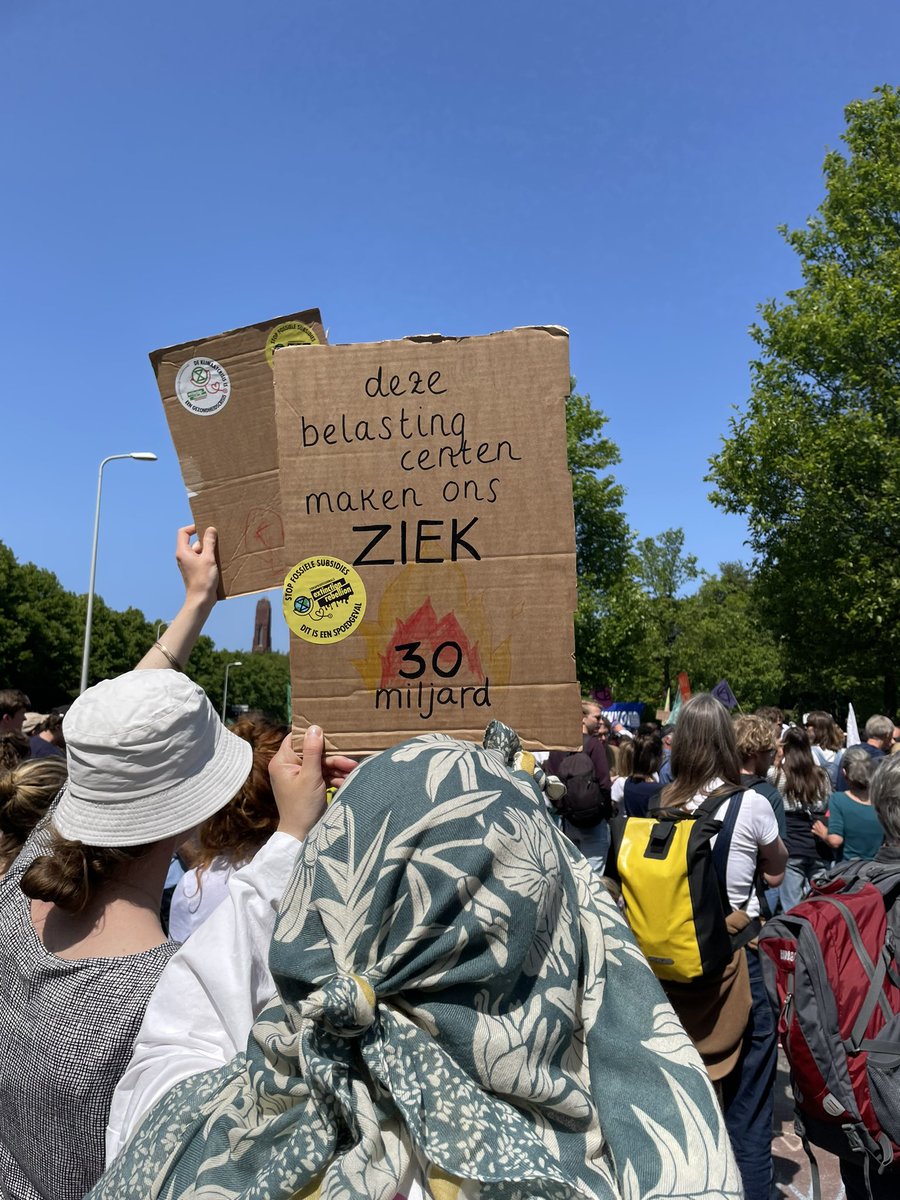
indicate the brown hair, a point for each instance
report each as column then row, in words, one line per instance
column 771, row 714
column 25, row 795
column 14, row 749
column 825, row 730
column 71, row 874
column 648, row 752
column 703, row 749
column 805, row 784
column 625, row 757
column 238, row 830
column 12, row 700
column 752, row 735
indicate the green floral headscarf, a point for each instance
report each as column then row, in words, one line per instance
column 459, row 1001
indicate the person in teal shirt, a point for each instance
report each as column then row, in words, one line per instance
column 853, row 829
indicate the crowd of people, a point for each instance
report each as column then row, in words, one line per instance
column 227, row 969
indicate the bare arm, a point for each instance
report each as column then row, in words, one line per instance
column 773, row 859
column 820, row 829
column 200, row 572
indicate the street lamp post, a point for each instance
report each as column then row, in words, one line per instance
column 160, row 625
column 141, row 456
column 228, row 667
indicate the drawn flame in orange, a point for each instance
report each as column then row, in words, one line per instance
column 405, row 617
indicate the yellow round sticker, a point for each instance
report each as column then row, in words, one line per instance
column 324, row 599
column 289, row 333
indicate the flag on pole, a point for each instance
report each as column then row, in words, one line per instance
column 676, row 709
column 684, row 685
column 853, row 738
column 724, row 694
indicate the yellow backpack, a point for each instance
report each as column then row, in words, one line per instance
column 673, row 886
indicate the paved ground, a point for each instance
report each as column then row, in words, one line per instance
column 791, row 1164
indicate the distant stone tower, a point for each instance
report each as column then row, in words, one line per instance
column 262, row 629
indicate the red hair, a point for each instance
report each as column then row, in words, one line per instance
column 238, row 830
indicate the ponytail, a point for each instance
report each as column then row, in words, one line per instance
column 71, row 874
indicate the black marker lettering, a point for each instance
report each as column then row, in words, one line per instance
column 379, row 531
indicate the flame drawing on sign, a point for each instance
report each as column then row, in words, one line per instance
column 406, row 618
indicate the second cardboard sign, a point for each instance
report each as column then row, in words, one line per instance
column 220, row 405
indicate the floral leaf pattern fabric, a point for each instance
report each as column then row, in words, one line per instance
column 459, row 1003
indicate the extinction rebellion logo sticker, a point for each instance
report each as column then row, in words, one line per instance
column 202, row 386
column 324, row 599
column 289, row 333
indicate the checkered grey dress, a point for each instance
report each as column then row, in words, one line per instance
column 67, row 1028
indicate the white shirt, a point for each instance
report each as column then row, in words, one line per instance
column 195, row 899
column 754, row 828
column 209, row 994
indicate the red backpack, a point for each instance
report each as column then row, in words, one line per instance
column 831, row 972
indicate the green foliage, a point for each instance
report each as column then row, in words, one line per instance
column 723, row 636
column 261, row 682
column 610, row 635
column 814, row 462
column 601, row 531
column 42, row 635
column 661, row 570
column 39, row 633
column 609, row 615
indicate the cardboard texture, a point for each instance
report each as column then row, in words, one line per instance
column 219, row 399
column 436, row 469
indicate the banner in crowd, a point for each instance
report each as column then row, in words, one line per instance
column 219, row 399
column 430, row 537
column 629, row 715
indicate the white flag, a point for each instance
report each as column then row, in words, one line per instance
column 853, row 738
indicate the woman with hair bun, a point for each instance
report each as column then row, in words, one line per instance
column 231, row 837
column 25, row 795
column 81, row 945
column 642, row 787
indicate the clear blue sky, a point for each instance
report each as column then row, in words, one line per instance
column 178, row 168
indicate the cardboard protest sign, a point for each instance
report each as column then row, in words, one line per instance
column 430, row 535
column 219, row 398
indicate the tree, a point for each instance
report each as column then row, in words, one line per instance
column 662, row 569
column 609, row 618
column 42, row 634
column 722, row 635
column 261, row 682
column 814, row 462
column 39, row 633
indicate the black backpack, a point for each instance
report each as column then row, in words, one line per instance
column 584, row 804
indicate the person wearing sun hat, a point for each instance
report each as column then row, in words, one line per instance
column 81, row 945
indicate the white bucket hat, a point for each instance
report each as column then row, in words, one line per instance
column 148, row 758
